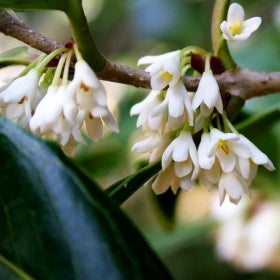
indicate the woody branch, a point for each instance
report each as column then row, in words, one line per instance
column 238, row 82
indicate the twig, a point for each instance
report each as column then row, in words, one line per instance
column 239, row 82
column 15, row 28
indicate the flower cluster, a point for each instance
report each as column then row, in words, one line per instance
column 173, row 119
column 46, row 102
column 242, row 230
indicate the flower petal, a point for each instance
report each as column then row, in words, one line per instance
column 235, row 13
column 251, row 25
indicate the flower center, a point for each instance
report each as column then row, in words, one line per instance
column 252, row 163
column 222, row 145
column 166, row 76
column 236, row 28
column 84, row 86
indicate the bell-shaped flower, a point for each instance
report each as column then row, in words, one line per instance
column 155, row 144
column 234, row 185
column 90, row 97
column 182, row 151
column 179, row 102
column 169, row 179
column 225, row 147
column 165, row 110
column 144, row 109
column 208, row 96
column 164, row 69
column 209, row 178
column 56, row 117
column 235, row 28
column 248, row 166
column 166, row 179
column 229, row 160
column 19, row 99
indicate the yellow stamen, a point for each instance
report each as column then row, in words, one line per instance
column 236, row 28
column 222, row 145
column 166, row 76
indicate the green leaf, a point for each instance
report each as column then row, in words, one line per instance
column 259, row 121
column 57, row 224
column 124, row 188
column 34, row 4
column 165, row 206
column 16, row 56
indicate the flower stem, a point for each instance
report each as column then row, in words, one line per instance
column 83, row 37
column 66, row 68
column 58, row 70
column 40, row 67
column 228, row 125
column 219, row 44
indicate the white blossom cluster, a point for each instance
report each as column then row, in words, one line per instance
column 58, row 109
column 247, row 235
column 171, row 117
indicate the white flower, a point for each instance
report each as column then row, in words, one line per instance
column 168, row 179
column 242, row 231
column 155, row 144
column 179, row 165
column 183, row 152
column 229, row 160
column 234, row 185
column 208, row 95
column 165, row 111
column 209, row 178
column 56, row 117
column 145, row 108
column 20, row 97
column 235, row 28
column 164, row 69
column 230, row 149
column 226, row 147
column 179, row 102
column 91, row 100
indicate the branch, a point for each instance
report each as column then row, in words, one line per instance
column 15, row 28
column 239, row 82
column 247, row 84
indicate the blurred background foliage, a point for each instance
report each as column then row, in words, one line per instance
column 184, row 234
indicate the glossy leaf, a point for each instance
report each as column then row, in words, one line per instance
column 57, row 224
column 35, row 4
column 124, row 188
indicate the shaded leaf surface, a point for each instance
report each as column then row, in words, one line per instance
column 34, row 4
column 58, row 224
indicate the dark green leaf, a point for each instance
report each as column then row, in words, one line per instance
column 123, row 189
column 34, row 4
column 259, row 121
column 165, row 205
column 57, row 224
